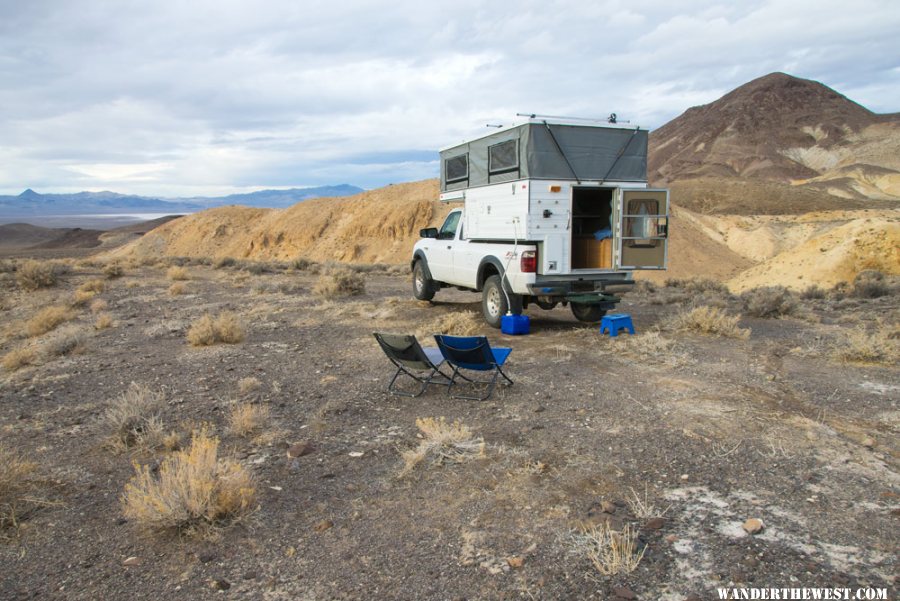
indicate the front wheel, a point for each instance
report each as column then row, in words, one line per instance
column 587, row 313
column 423, row 285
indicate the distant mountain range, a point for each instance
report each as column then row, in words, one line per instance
column 30, row 203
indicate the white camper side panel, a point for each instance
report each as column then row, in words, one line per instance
column 497, row 212
column 549, row 222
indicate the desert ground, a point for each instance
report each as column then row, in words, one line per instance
column 783, row 410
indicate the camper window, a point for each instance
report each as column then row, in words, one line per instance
column 456, row 169
column 641, row 223
column 503, row 157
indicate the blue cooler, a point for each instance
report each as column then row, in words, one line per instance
column 515, row 325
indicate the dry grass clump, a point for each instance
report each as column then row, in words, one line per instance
column 176, row 273
column 194, row 490
column 612, row 552
column 33, row 275
column 103, row 321
column 458, row 323
column 81, row 297
column 246, row 419
column 113, row 270
column 769, row 301
column 442, row 442
column 710, row 320
column 642, row 506
column 19, row 358
column 48, row 319
column 96, row 285
column 699, row 285
column 881, row 346
column 177, row 289
column 99, row 305
column 15, row 487
column 65, row 341
column 133, row 417
column 341, row 282
column 248, row 385
column 813, row 292
column 226, row 327
column 223, row 262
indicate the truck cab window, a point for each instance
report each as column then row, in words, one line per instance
column 448, row 230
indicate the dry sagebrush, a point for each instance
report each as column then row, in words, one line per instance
column 34, row 275
column 194, row 489
column 339, row 283
column 48, row 319
column 226, row 327
column 710, row 321
column 442, row 442
column 246, row 419
column 458, row 323
column 16, row 484
column 133, row 418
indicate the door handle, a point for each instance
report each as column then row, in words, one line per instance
column 449, row 247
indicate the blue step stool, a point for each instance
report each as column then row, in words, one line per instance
column 615, row 322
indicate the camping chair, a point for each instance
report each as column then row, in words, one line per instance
column 420, row 364
column 472, row 353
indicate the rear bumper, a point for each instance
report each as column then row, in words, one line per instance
column 568, row 285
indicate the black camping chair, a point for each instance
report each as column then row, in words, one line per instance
column 420, row 364
column 472, row 353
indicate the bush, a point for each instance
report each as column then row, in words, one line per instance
column 226, row 327
column 176, row 273
column 103, row 321
column 248, row 385
column 133, row 417
column 194, row 489
column 341, row 282
column 710, row 320
column 770, row 301
column 99, row 305
column 813, row 292
column 177, row 289
column 870, row 284
column 301, row 264
column 34, row 275
column 862, row 347
column 442, row 442
column 65, row 341
column 48, row 319
column 246, row 419
column 15, row 487
column 458, row 323
column 113, row 270
column 81, row 297
column 96, row 285
column 223, row 262
column 19, row 358
column 613, row 552
column 699, row 285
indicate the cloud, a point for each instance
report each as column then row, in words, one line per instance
column 173, row 97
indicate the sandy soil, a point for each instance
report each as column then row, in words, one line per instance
column 711, row 431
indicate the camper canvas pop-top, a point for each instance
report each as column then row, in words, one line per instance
column 554, row 211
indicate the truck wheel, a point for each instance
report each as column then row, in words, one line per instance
column 423, row 285
column 587, row 313
column 493, row 301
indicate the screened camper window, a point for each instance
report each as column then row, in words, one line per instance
column 642, row 223
column 503, row 157
column 456, row 169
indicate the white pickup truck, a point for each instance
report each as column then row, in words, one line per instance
column 554, row 211
column 506, row 275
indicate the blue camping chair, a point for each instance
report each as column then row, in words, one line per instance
column 472, row 353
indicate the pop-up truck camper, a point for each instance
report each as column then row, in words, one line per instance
column 553, row 211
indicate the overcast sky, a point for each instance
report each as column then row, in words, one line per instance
column 178, row 98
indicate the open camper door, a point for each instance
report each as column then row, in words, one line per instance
column 644, row 229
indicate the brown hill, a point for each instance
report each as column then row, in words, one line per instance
column 785, row 131
column 374, row 226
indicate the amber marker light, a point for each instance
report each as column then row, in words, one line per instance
column 556, row 188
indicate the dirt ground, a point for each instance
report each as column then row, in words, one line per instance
column 708, row 430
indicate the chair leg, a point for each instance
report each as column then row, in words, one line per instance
column 396, row 391
column 504, row 375
column 490, row 386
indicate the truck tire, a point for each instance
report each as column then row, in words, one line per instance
column 493, row 301
column 587, row 313
column 423, row 286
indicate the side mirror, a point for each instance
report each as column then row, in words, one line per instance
column 428, row 232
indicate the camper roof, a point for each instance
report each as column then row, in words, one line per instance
column 547, row 148
column 537, row 120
